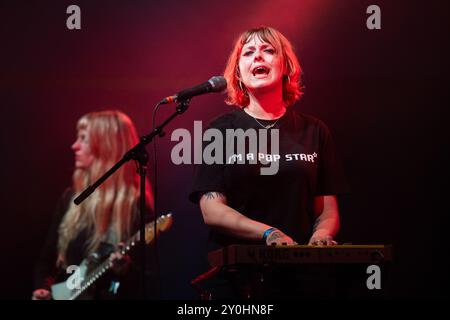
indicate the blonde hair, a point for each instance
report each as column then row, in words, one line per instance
column 112, row 205
column 292, row 90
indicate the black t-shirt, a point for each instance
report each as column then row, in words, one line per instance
column 307, row 167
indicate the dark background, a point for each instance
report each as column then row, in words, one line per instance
column 382, row 92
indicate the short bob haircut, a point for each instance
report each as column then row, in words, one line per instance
column 292, row 90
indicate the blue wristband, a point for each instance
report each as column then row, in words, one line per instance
column 267, row 232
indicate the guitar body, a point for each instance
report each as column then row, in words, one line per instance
column 63, row 291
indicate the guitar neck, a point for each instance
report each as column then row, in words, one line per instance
column 98, row 271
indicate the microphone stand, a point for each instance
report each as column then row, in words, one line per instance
column 140, row 155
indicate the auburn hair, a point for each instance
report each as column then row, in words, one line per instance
column 292, row 90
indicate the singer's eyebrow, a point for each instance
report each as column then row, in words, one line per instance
column 262, row 46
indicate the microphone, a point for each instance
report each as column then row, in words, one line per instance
column 215, row 84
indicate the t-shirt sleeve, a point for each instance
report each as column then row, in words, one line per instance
column 209, row 177
column 331, row 178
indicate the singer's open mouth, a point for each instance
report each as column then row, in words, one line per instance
column 260, row 70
